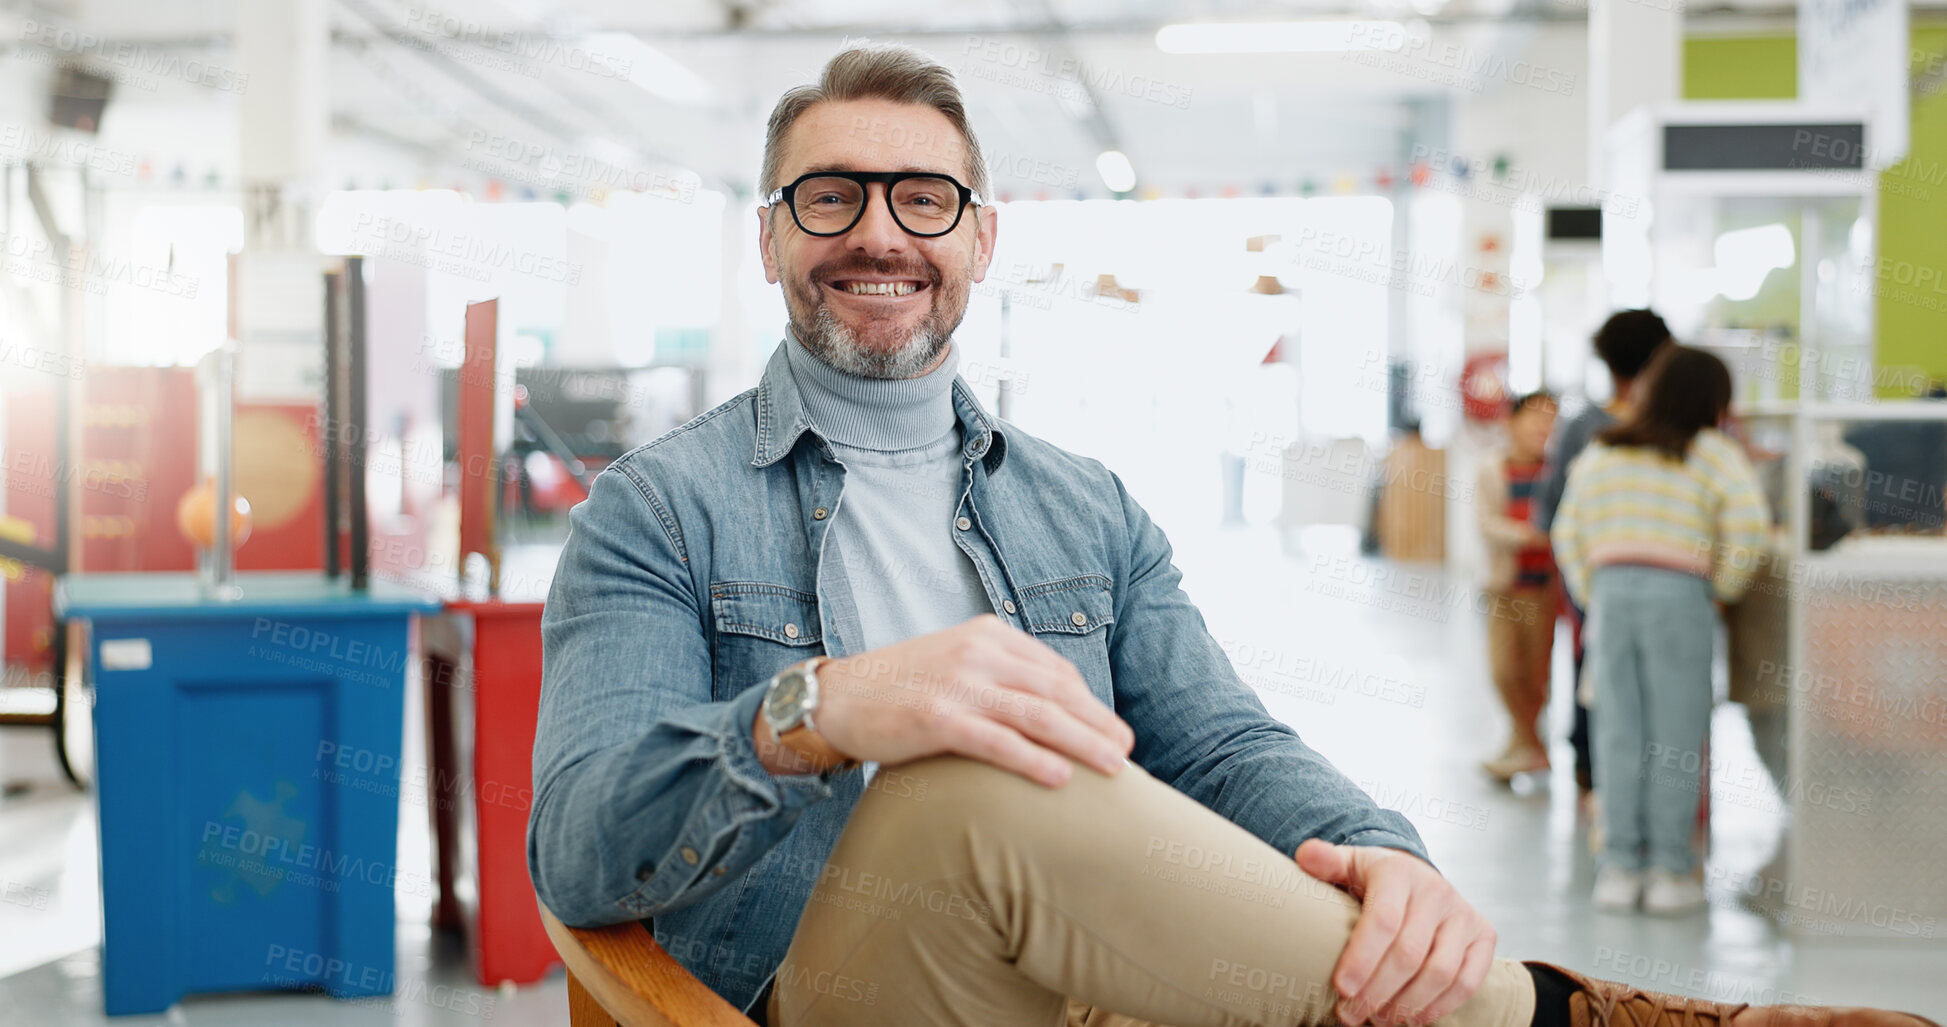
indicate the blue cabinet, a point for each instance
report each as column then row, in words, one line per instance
column 247, row 778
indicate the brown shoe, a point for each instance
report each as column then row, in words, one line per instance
column 1613, row 1004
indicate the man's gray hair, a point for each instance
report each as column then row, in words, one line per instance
column 879, row 71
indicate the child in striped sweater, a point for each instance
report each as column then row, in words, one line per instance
column 1662, row 519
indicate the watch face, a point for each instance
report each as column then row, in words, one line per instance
column 785, row 704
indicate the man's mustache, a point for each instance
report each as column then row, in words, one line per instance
column 885, row 268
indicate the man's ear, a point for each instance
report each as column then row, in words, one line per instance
column 985, row 219
column 765, row 240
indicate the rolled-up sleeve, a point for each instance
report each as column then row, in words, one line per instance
column 1202, row 729
column 648, row 792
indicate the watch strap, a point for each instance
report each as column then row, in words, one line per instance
column 806, row 722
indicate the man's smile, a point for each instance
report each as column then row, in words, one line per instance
column 877, row 291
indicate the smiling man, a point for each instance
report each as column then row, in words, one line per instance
column 887, row 712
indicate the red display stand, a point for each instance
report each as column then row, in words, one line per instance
column 481, row 724
column 480, row 790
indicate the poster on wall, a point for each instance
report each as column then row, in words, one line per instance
column 1853, row 51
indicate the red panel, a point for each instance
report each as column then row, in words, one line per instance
column 138, row 446
column 476, row 429
column 30, row 478
column 279, row 468
column 512, row 944
column 137, row 457
column 30, row 623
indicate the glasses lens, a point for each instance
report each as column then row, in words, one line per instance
column 926, row 204
column 827, row 204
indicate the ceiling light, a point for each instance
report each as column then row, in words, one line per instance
column 1116, row 171
column 629, row 57
column 1279, row 36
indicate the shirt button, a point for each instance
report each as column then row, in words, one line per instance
column 790, row 631
column 1008, row 605
column 963, row 524
column 690, row 856
column 1078, row 618
column 718, row 871
column 820, row 514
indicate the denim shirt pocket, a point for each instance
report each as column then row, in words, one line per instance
column 1073, row 617
column 761, row 628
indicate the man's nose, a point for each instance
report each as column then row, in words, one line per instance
column 877, row 233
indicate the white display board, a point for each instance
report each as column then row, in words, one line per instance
column 278, row 317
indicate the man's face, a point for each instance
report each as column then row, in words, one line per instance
column 875, row 335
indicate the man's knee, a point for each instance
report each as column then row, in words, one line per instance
column 958, row 792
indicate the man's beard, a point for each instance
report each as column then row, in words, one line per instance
column 835, row 343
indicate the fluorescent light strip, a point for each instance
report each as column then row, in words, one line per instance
column 628, row 56
column 1280, row 36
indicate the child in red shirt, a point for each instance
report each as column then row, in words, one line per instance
column 1520, row 583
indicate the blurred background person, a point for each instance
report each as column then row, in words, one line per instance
column 1661, row 519
column 1522, row 597
column 1625, row 343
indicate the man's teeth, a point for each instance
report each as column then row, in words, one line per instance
column 880, row 288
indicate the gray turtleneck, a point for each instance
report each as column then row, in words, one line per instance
column 891, row 569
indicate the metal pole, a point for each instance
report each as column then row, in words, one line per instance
column 328, row 424
column 68, row 329
column 1811, row 243
column 355, row 387
column 223, row 562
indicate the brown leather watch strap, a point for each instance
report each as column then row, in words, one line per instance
column 812, row 747
column 806, row 744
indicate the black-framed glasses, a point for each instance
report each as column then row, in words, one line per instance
column 829, row 203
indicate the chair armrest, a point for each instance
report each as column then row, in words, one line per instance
column 635, row 980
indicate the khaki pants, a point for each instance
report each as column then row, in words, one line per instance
column 968, row 895
column 1520, row 648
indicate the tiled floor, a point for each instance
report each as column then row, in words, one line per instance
column 1385, row 676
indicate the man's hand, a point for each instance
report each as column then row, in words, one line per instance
column 982, row 689
column 1418, row 951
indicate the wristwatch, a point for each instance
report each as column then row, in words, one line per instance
column 789, row 701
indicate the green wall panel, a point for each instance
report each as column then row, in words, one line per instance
column 1910, row 305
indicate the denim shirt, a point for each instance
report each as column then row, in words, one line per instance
column 690, row 576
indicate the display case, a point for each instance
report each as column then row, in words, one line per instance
column 1855, row 685
column 1750, row 228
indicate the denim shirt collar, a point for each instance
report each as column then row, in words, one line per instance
column 781, row 418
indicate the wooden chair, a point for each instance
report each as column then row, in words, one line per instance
column 619, row 977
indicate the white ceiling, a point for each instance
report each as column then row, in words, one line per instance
column 1259, row 117
column 1248, row 120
